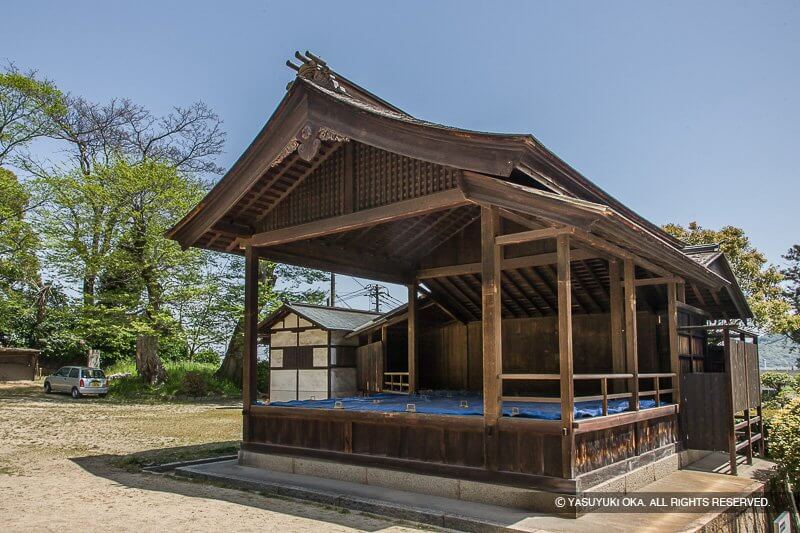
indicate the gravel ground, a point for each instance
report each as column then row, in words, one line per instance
column 60, row 470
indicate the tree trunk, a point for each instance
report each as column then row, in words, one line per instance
column 148, row 363
column 88, row 289
column 233, row 362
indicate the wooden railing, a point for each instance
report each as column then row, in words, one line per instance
column 604, row 395
column 395, row 382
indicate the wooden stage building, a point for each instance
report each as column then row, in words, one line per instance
column 538, row 289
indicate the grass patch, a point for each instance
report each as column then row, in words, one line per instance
column 175, row 386
column 136, row 461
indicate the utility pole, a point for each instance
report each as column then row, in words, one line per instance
column 333, row 290
column 375, row 293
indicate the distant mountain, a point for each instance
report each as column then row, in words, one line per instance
column 777, row 352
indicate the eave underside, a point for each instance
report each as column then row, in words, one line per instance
column 344, row 178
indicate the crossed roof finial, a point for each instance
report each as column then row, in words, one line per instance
column 315, row 69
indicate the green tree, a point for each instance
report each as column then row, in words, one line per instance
column 760, row 281
column 792, row 275
column 19, row 266
column 27, row 106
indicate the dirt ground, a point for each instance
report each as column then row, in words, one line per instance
column 62, row 468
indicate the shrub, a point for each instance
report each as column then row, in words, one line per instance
column 777, row 380
column 782, row 399
column 176, row 385
column 206, row 356
column 784, row 442
column 262, row 376
column 194, row 384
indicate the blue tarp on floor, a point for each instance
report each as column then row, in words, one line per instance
column 461, row 403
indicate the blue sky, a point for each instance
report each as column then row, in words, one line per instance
column 682, row 111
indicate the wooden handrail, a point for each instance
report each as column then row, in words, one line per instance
column 532, row 399
column 603, row 378
column 401, row 384
column 532, row 377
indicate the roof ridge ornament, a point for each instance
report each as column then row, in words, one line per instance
column 315, row 69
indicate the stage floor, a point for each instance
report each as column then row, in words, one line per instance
column 460, row 404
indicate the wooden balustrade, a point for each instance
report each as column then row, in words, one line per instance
column 604, row 395
column 396, row 382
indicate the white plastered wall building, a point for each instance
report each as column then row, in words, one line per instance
column 310, row 358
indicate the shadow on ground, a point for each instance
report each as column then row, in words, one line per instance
column 125, row 471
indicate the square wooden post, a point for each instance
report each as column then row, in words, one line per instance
column 749, row 428
column 250, row 352
column 412, row 338
column 492, row 332
column 631, row 349
column 565, row 357
column 617, row 332
column 726, row 342
column 674, row 341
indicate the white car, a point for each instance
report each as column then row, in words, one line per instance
column 78, row 381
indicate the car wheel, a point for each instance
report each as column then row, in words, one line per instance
column 102, row 395
column 75, row 392
column 47, row 388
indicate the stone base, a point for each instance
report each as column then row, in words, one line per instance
column 457, row 489
column 626, row 476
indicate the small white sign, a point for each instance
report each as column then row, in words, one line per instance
column 782, row 524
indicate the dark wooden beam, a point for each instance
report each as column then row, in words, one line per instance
column 250, row 354
column 565, row 358
column 552, row 299
column 492, row 333
column 334, row 265
column 450, row 284
column 674, row 341
column 548, row 308
column 285, row 168
column 507, row 278
column 616, row 304
column 531, row 235
column 511, row 263
column 413, row 378
column 360, row 219
column 588, row 296
column 443, row 293
column 631, row 352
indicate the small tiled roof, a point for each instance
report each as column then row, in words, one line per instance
column 326, row 317
column 705, row 254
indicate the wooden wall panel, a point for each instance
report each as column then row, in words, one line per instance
column 450, row 355
column 443, row 357
column 369, row 364
column 383, row 177
column 456, row 441
column 705, row 411
column 318, row 196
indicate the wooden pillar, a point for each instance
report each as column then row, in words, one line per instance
column 674, row 340
column 631, row 349
column 759, row 413
column 412, row 338
column 749, row 428
column 250, row 353
column 491, row 322
column 617, row 332
column 729, row 383
column 565, row 357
